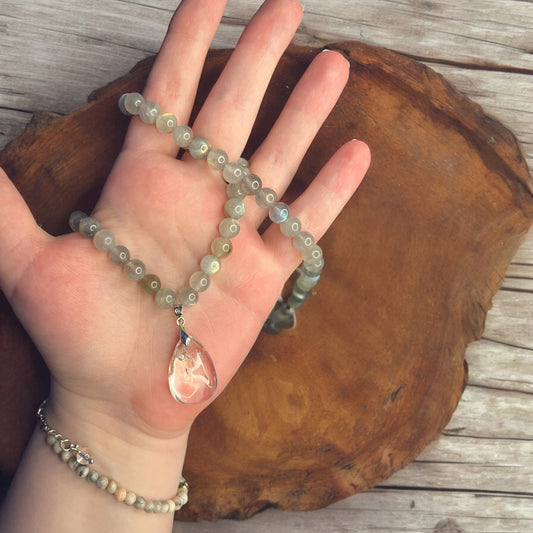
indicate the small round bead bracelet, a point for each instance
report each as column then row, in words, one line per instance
column 192, row 374
column 80, row 461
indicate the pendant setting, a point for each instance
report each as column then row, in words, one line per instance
column 192, row 377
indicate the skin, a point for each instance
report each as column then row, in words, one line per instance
column 105, row 342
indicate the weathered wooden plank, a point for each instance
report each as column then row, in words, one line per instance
column 71, row 50
column 476, row 32
column 500, row 367
column 470, row 464
column 91, row 44
column 524, row 255
column 479, row 32
column 488, row 413
column 390, row 510
column 520, row 271
column 519, row 284
column 12, row 124
column 510, row 321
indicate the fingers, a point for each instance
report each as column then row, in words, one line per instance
column 229, row 112
column 323, row 200
column 313, row 98
column 174, row 78
column 20, row 237
column 228, row 115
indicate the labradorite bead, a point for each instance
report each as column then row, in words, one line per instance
column 165, row 298
column 200, row 281
column 210, row 264
column 266, row 198
column 217, row 159
column 305, row 282
column 92, row 476
column 150, row 283
column 149, row 507
column 131, row 498
column 74, row 220
column 199, row 147
column 234, row 190
column 134, row 269
column 251, row 184
column 166, row 122
column 89, row 226
column 104, row 240
column 234, row 208
column 279, row 212
column 120, row 255
column 303, row 240
column 233, row 173
column 297, row 298
column 112, row 486
column 291, row 227
column 121, row 105
column 148, row 112
column 132, row 103
column 311, row 254
column 182, row 136
column 229, row 228
column 187, row 296
column 221, row 247
column 313, row 268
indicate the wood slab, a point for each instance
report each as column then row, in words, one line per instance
column 375, row 368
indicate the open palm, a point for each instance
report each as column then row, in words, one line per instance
column 105, row 341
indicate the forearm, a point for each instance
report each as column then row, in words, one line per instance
column 48, row 496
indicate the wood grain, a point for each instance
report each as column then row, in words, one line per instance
column 476, row 44
column 55, row 53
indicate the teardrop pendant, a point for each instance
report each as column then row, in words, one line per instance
column 192, row 377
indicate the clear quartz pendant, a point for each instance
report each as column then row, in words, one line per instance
column 192, row 376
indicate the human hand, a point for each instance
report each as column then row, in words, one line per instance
column 106, row 344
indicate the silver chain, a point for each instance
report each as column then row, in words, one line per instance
column 66, row 444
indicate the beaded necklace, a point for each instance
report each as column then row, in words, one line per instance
column 192, row 375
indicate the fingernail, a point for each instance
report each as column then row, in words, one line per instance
column 330, row 50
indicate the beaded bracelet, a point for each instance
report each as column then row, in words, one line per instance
column 79, row 459
column 192, row 374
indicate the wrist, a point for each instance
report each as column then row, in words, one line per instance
column 146, row 465
column 123, row 448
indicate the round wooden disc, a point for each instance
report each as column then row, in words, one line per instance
column 375, row 367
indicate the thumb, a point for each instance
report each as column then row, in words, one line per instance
column 20, row 236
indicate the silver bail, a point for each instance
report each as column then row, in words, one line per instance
column 180, row 321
